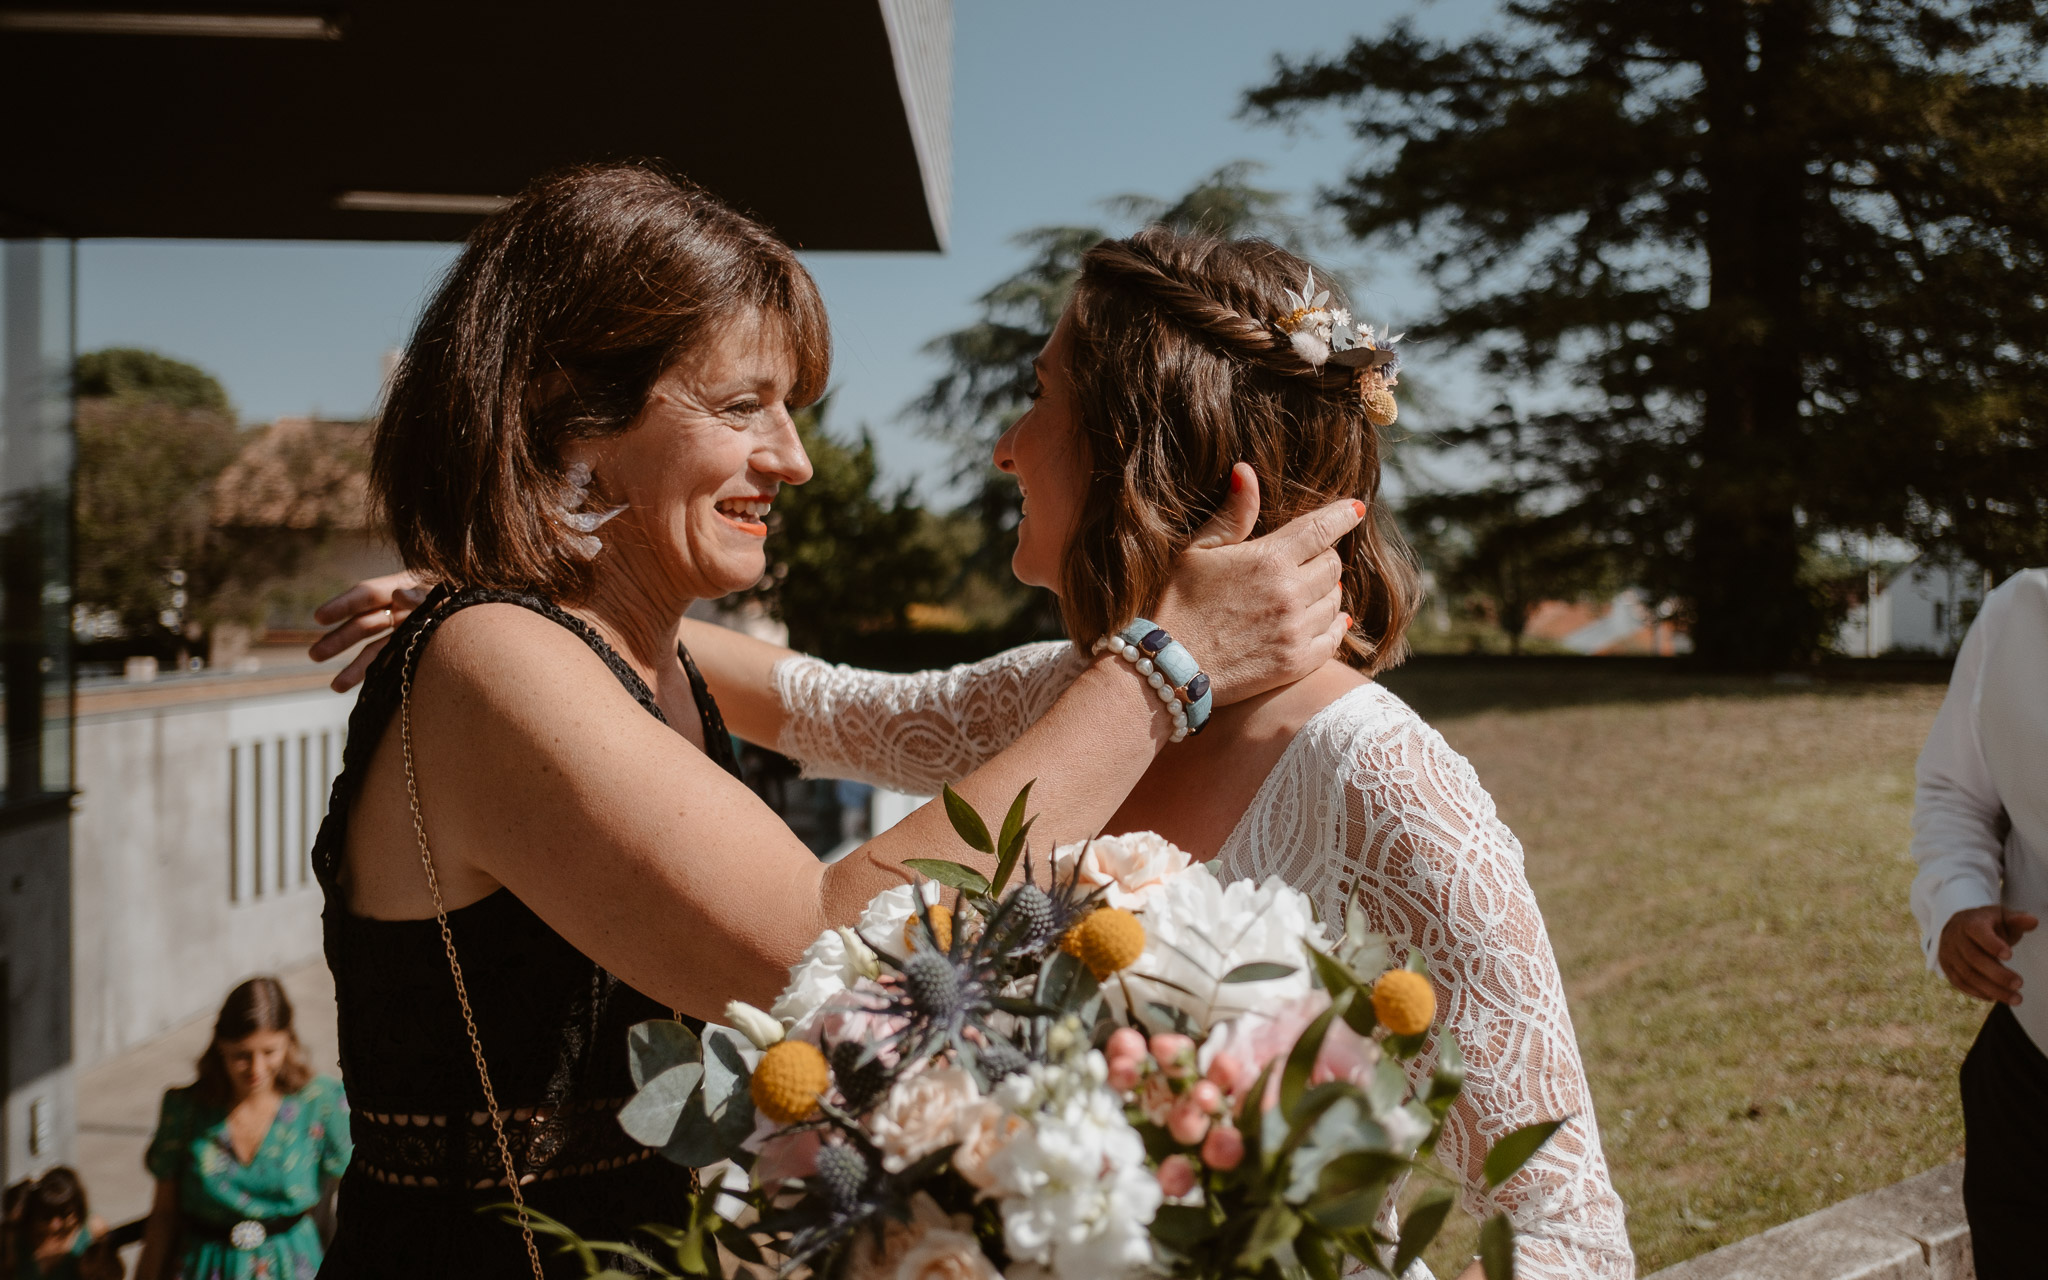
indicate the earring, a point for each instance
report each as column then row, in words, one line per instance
column 574, row 493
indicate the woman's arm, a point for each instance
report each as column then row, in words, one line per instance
column 670, row 873
column 161, row 1231
column 1437, row 869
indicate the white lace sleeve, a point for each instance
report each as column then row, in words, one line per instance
column 1429, row 862
column 915, row 732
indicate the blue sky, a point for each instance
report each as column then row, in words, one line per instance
column 1058, row 105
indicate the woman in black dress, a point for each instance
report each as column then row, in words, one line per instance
column 586, row 435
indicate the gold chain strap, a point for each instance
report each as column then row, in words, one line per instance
column 476, row 1044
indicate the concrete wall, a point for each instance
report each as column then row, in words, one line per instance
column 199, row 803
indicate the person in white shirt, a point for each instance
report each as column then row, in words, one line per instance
column 1980, row 835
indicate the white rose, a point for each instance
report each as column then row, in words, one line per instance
column 1197, row 930
column 984, row 1131
column 881, row 925
column 1129, row 868
column 825, row 971
column 921, row 1114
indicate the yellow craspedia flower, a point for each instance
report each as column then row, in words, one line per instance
column 1403, row 1002
column 1110, row 939
column 790, row 1079
column 942, row 928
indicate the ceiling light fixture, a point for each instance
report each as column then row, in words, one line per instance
column 247, row 26
column 419, row 202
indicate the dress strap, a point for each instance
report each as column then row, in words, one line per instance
column 717, row 742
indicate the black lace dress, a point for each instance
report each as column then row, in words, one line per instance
column 553, row 1025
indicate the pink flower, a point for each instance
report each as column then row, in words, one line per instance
column 1175, row 1052
column 921, row 1114
column 1157, row 1098
column 1176, row 1176
column 1124, row 1073
column 1223, row 1149
column 1246, row 1045
column 984, row 1131
column 1187, row 1122
column 1207, row 1096
column 1129, row 868
column 1124, row 1042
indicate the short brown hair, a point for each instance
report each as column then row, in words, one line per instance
column 259, row 1004
column 562, row 312
column 1179, row 375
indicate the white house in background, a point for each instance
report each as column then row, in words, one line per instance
column 1922, row 608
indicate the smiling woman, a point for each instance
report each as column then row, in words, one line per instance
column 586, row 435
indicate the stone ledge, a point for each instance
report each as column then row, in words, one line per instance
column 1912, row 1230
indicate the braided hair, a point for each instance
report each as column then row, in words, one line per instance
column 1179, row 374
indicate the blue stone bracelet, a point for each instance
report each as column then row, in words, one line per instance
column 1169, row 668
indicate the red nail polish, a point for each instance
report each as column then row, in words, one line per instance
column 1345, row 618
column 1236, row 480
column 1358, row 507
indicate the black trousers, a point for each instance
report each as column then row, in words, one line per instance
column 2005, row 1128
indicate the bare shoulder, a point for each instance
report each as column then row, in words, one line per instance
column 505, row 658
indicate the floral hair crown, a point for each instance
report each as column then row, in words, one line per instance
column 1322, row 334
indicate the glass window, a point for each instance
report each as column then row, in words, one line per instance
column 36, row 352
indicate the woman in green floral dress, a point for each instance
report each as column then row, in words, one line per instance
column 243, row 1156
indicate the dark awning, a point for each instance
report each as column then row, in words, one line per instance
column 403, row 119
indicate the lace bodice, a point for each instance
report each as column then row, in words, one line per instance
column 1368, row 806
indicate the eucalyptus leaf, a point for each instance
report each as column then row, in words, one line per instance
column 651, row 1115
column 654, row 1046
column 1421, row 1225
column 1497, row 1248
column 1335, row 977
column 1514, row 1150
column 1388, row 1086
column 967, row 822
column 1260, row 971
column 954, row 875
column 728, row 1068
column 1274, row 1230
column 1065, row 983
column 1350, row 1211
column 1301, row 1060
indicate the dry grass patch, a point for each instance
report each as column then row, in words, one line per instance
column 1722, row 866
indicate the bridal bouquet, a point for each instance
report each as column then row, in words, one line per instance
column 1128, row 1067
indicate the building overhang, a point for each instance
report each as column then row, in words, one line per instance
column 411, row 119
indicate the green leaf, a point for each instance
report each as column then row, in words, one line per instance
column 1417, row 962
column 1359, row 1016
column 1065, row 983
column 1351, row 1211
column 1259, row 971
column 1011, row 843
column 1497, row 1248
column 1302, row 1059
column 654, row 1046
column 967, row 822
column 1312, row 1251
column 1355, row 1170
column 1276, row 1227
column 1449, row 1078
column 740, row 1245
column 1421, row 1225
column 1335, row 977
column 650, row 1116
column 1182, row 1227
column 954, row 875
column 1514, row 1150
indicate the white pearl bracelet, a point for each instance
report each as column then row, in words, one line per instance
column 1124, row 649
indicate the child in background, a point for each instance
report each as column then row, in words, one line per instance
column 52, row 1234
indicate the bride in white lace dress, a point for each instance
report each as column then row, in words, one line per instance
column 1165, row 370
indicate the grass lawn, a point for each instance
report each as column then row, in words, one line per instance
column 1722, row 865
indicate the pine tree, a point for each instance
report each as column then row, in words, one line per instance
column 1749, row 273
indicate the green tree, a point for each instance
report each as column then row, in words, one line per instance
column 988, row 380
column 1489, row 545
column 1752, row 271
column 152, row 435
column 844, row 558
column 129, row 373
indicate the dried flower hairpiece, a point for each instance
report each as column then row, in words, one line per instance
column 1322, row 334
column 574, row 493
